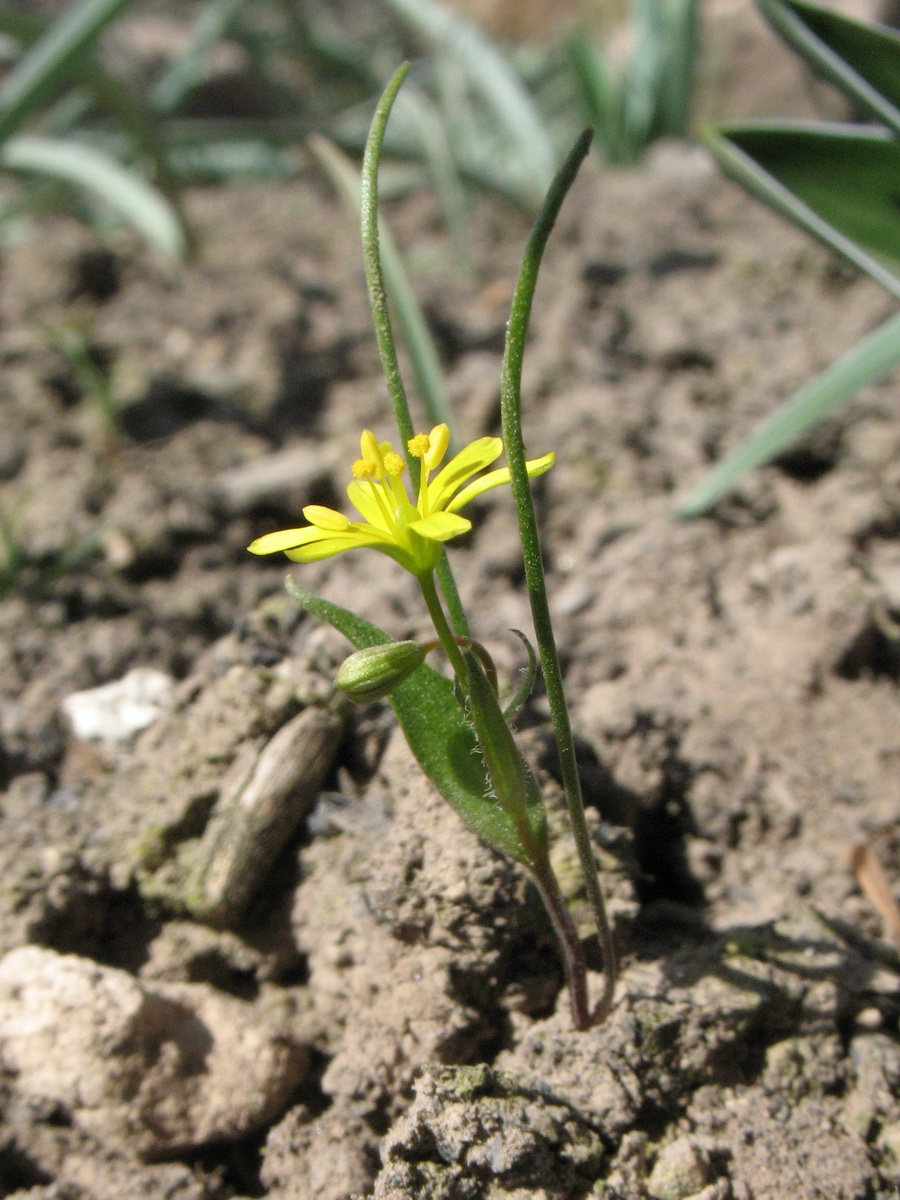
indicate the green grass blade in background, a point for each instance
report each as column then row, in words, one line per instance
column 48, row 64
column 640, row 83
column 95, row 87
column 596, row 87
column 676, row 85
column 838, row 182
column 490, row 74
column 189, row 68
column 870, row 360
column 861, row 59
column 131, row 197
column 438, row 155
column 413, row 327
column 649, row 96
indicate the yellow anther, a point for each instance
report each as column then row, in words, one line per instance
column 419, row 445
column 364, row 468
column 393, row 463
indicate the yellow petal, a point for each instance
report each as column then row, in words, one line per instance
column 370, row 450
column 283, row 539
column 540, row 466
column 325, row 518
column 439, row 440
column 471, row 459
column 535, row 467
column 326, row 544
column 441, row 526
column 362, row 497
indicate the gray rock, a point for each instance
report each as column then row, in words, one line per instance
column 118, row 710
column 681, row 1170
column 151, row 1070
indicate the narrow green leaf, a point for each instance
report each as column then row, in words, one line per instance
column 438, row 734
column 133, row 119
column 492, row 76
column 49, row 62
column 861, row 59
column 676, row 83
column 511, row 418
column 813, row 173
column 524, row 690
column 189, row 69
column 640, row 83
column 129, row 195
column 649, row 97
column 596, row 87
column 870, row 360
column 108, row 92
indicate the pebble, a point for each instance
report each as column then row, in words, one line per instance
column 116, row 711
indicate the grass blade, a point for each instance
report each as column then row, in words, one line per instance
column 640, row 81
column 410, row 319
column 189, row 68
column 49, row 62
column 130, row 196
column 598, row 89
column 812, row 173
column 870, row 360
column 492, row 76
column 858, row 58
column 676, row 84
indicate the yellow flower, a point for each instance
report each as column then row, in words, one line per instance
column 411, row 533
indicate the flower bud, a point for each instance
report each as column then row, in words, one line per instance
column 374, row 672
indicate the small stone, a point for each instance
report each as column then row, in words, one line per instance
column 153, row 1069
column 118, row 710
column 681, row 1170
column 889, row 1140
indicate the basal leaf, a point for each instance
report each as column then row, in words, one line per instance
column 840, row 183
column 48, row 63
column 132, row 198
column 438, row 734
column 860, row 58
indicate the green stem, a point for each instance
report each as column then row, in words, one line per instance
column 497, row 749
column 511, row 414
column 442, row 628
column 570, row 944
column 451, row 595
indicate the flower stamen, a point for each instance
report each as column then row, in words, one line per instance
column 364, row 468
column 419, row 445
